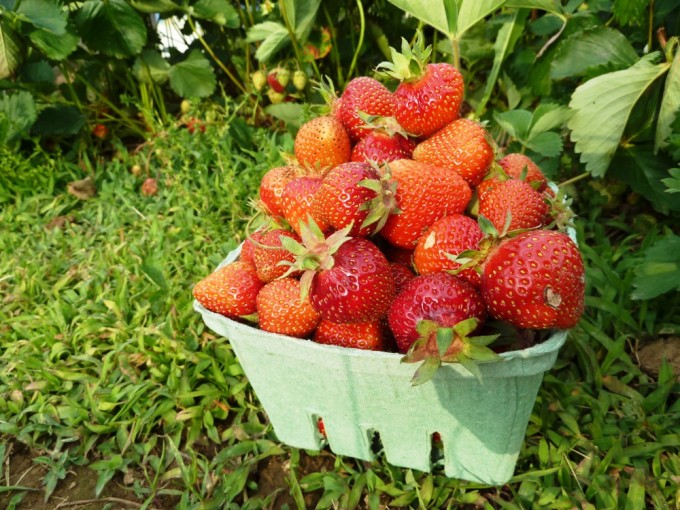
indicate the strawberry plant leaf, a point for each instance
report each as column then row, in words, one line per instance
column 507, row 36
column 44, row 14
column 10, row 51
column 660, row 271
column 301, row 15
column 548, row 144
column 151, row 67
column 194, row 77
column 472, row 12
column 274, row 36
column 515, row 122
column 220, row 12
column 610, row 96
column 154, row 6
column 670, row 104
column 672, row 182
column 113, row 28
column 19, row 112
column 583, row 53
column 548, row 116
column 432, row 12
column 59, row 120
column 551, row 6
column 55, row 47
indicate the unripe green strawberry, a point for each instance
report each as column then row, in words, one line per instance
column 299, row 79
column 185, row 106
column 259, row 80
column 275, row 97
column 283, row 76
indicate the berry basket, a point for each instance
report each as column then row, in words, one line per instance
column 360, row 393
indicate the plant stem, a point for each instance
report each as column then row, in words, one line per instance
column 334, row 49
column 650, row 33
column 362, row 21
column 574, row 179
column 220, row 64
column 455, row 51
column 291, row 34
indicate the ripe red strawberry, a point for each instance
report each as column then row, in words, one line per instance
column 359, row 287
column 346, row 196
column 348, row 279
column 362, row 94
column 248, row 248
column 281, row 310
column 322, row 143
column 425, row 193
column 429, row 95
column 380, row 147
column 272, row 185
column 517, row 200
column 443, row 241
column 401, row 274
column 274, row 81
column 515, row 165
column 370, row 336
column 230, row 291
column 463, row 146
column 269, row 252
column 439, row 297
column 298, row 199
column 535, row 280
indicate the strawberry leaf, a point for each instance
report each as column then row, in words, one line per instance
column 444, row 339
column 471, row 366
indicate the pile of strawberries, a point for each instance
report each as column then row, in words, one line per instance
column 397, row 227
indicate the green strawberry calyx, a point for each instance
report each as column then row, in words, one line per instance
column 314, row 254
column 409, row 64
column 384, row 203
column 439, row 344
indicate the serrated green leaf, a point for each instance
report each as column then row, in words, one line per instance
column 515, row 122
column 670, row 104
column 151, row 67
column 551, row 6
column 672, row 182
column 20, row 112
column 55, row 47
column 44, row 14
column 630, row 12
column 290, row 113
column 607, row 98
column 274, row 37
column 220, row 12
column 432, row 12
column 301, row 15
column 472, row 12
column 59, row 120
column 194, row 77
column 113, row 28
column 548, row 116
column 548, row 144
column 10, row 51
column 583, row 52
column 660, row 271
column 155, row 6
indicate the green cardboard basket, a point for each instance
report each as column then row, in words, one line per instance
column 359, row 393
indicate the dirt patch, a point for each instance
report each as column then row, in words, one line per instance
column 75, row 491
column 652, row 354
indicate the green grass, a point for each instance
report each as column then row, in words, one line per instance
column 105, row 364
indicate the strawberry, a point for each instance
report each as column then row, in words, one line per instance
column 274, row 83
column 425, row 193
column 230, row 291
column 259, row 80
column 322, row 143
column 439, row 297
column 463, row 146
column 272, row 185
column 517, row 201
column 269, row 252
column 368, row 336
column 380, row 147
column 348, row 279
column 401, row 274
column 248, row 248
column 281, row 310
column 367, row 95
column 353, row 193
column 299, row 80
column 519, row 166
column 447, row 238
column 298, row 199
column 429, row 96
column 535, row 280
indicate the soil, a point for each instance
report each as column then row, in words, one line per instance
column 651, row 355
column 77, row 489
